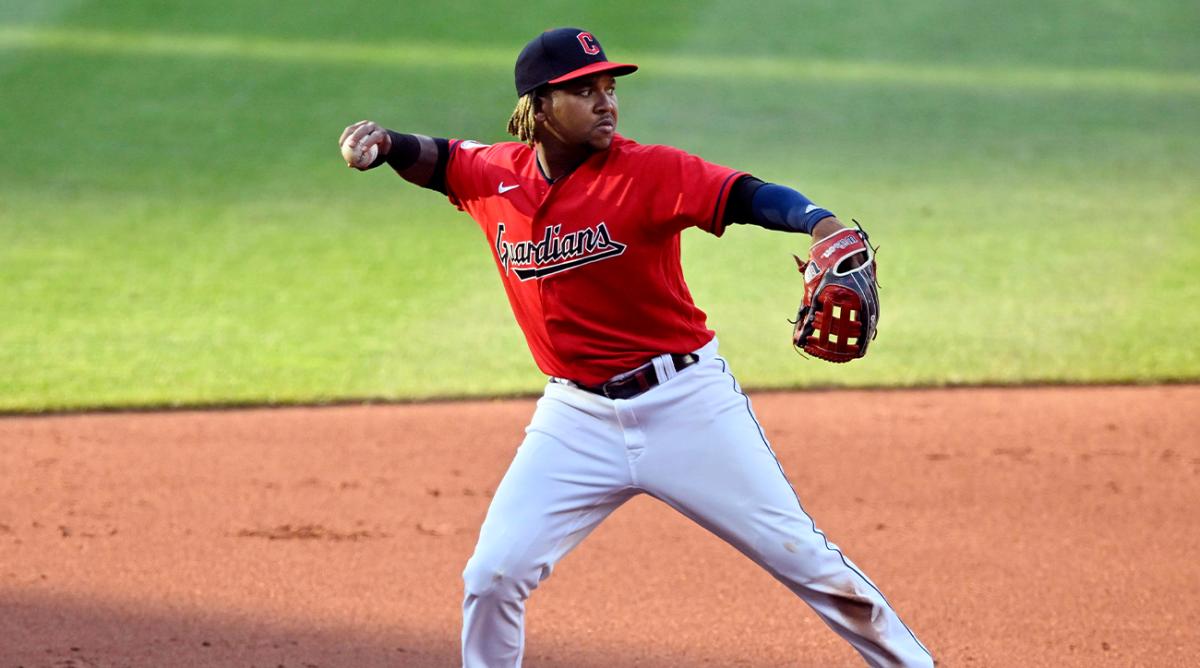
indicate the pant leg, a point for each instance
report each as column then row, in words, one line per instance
column 707, row 457
column 569, row 473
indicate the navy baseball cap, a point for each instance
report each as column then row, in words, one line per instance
column 560, row 55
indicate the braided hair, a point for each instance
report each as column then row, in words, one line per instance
column 521, row 124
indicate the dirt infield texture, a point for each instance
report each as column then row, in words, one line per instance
column 1009, row 527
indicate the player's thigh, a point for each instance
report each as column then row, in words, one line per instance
column 546, row 488
column 551, row 497
column 712, row 462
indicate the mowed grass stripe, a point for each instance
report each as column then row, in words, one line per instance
column 432, row 54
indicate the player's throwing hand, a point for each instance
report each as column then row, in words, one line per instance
column 362, row 144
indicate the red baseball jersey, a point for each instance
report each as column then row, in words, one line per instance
column 591, row 262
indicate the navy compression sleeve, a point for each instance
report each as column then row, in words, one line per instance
column 772, row 206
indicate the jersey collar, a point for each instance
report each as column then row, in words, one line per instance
column 617, row 140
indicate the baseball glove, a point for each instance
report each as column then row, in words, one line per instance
column 840, row 310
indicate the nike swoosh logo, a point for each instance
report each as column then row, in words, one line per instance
column 503, row 188
column 810, row 208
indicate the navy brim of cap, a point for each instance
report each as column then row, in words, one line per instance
column 615, row 69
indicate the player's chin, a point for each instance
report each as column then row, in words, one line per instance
column 601, row 137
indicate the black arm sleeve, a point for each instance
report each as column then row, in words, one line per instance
column 438, row 180
column 740, row 207
column 406, row 151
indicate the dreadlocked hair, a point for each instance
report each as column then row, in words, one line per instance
column 520, row 124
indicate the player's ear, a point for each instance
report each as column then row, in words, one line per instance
column 541, row 104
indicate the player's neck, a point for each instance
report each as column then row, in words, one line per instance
column 557, row 159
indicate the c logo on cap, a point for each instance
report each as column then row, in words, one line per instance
column 589, row 44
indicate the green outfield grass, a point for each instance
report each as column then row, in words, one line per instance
column 176, row 227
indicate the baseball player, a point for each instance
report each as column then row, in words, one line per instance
column 584, row 226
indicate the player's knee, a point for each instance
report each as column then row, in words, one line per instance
column 807, row 551
column 796, row 558
column 480, row 579
column 485, row 577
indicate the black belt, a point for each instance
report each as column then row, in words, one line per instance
column 642, row 379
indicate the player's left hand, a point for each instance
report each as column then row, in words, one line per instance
column 827, row 227
column 840, row 310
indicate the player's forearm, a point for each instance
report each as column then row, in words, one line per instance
column 418, row 159
column 777, row 207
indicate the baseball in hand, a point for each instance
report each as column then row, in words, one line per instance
column 359, row 158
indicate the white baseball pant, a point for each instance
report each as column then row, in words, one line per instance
column 693, row 442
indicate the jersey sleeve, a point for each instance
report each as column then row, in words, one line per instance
column 689, row 191
column 465, row 172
